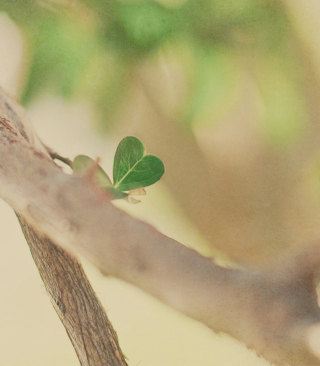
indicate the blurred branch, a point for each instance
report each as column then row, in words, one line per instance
column 71, row 294
column 188, row 171
column 231, row 204
column 272, row 311
column 238, row 205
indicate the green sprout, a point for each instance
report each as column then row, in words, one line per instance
column 133, row 170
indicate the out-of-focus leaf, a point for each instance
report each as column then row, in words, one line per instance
column 140, row 26
column 61, row 50
column 83, row 163
column 24, row 12
column 132, row 168
column 214, row 83
column 105, row 82
column 271, row 28
column 219, row 20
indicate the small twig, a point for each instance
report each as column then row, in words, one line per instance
column 55, row 155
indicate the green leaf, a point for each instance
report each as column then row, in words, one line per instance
column 132, row 168
column 82, row 163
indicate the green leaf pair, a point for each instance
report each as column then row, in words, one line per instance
column 132, row 168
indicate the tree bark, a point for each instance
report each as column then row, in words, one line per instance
column 75, row 302
column 71, row 294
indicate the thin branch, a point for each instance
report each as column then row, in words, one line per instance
column 55, row 155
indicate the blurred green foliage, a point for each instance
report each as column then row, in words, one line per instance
column 61, row 51
column 214, row 82
column 91, row 49
column 139, row 27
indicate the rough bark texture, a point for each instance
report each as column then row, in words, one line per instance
column 71, row 294
column 75, row 302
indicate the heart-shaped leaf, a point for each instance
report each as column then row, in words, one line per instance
column 132, row 168
column 82, row 163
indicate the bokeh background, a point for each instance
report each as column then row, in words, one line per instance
column 224, row 92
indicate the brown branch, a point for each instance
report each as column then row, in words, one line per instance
column 54, row 155
column 71, row 294
column 75, row 302
column 272, row 311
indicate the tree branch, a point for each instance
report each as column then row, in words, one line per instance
column 272, row 311
column 75, row 302
column 71, row 294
